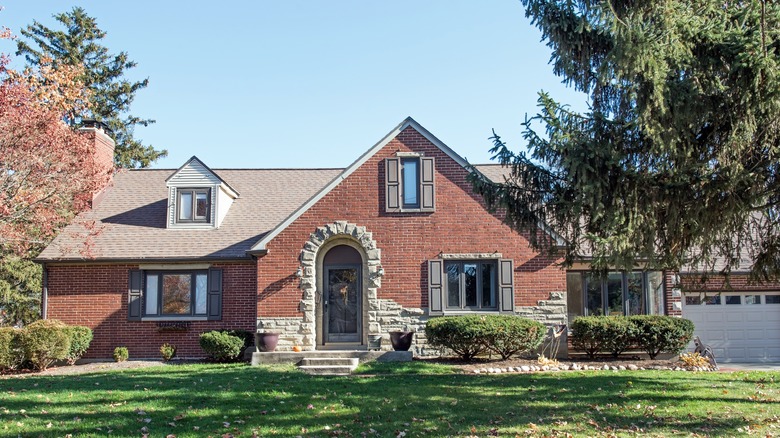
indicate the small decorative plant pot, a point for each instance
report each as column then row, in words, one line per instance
column 266, row 342
column 374, row 342
column 401, row 340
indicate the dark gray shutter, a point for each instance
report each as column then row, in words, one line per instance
column 427, row 186
column 506, row 293
column 215, row 294
column 134, row 293
column 392, row 184
column 436, row 286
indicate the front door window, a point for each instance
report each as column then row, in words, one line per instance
column 342, row 304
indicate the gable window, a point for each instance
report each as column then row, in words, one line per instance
column 410, row 187
column 479, row 285
column 616, row 293
column 194, row 205
column 175, row 294
column 409, row 184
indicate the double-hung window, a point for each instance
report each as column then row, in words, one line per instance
column 471, row 285
column 193, row 205
column 175, row 294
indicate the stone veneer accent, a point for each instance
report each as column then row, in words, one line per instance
column 381, row 316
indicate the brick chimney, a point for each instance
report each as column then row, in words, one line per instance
column 100, row 134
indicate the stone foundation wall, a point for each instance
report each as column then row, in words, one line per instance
column 388, row 316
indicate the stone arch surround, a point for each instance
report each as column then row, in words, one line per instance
column 320, row 242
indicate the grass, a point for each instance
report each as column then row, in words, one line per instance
column 419, row 400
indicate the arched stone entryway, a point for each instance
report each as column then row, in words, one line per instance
column 313, row 282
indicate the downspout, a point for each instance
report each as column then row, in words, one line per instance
column 45, row 292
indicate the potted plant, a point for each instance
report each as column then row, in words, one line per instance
column 401, row 340
column 266, row 341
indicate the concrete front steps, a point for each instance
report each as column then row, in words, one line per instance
column 328, row 366
column 328, row 362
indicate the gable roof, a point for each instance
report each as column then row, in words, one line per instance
column 129, row 224
column 260, row 246
column 198, row 166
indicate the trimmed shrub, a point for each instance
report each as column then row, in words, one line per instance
column 167, row 351
column 121, row 354
column 657, row 333
column 247, row 336
column 507, row 335
column 80, row 338
column 11, row 354
column 461, row 334
column 470, row 335
column 221, row 346
column 594, row 334
column 44, row 342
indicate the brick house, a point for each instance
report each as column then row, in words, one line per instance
column 329, row 257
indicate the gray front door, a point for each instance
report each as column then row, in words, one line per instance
column 341, row 311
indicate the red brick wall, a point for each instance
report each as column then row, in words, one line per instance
column 95, row 295
column 460, row 224
column 713, row 283
column 719, row 283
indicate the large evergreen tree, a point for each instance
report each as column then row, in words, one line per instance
column 112, row 94
column 677, row 160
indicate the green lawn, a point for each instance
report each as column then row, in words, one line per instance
column 418, row 400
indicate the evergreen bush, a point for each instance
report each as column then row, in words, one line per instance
column 657, row 333
column 44, row 342
column 80, row 338
column 121, row 354
column 471, row 335
column 11, row 354
column 594, row 334
column 221, row 346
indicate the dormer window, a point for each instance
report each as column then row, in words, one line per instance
column 198, row 198
column 194, row 205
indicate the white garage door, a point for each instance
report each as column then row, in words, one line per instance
column 740, row 327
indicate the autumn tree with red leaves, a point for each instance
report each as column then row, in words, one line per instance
column 47, row 174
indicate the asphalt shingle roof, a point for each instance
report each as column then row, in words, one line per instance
column 129, row 223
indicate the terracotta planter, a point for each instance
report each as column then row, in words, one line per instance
column 401, row 340
column 266, row 342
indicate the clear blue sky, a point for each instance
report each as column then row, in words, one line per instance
column 316, row 83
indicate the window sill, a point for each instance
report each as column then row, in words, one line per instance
column 468, row 312
column 174, row 318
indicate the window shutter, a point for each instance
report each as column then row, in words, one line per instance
column 134, row 293
column 215, row 294
column 392, row 185
column 427, row 186
column 506, row 285
column 436, row 287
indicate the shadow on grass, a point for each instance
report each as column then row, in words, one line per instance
column 198, row 400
